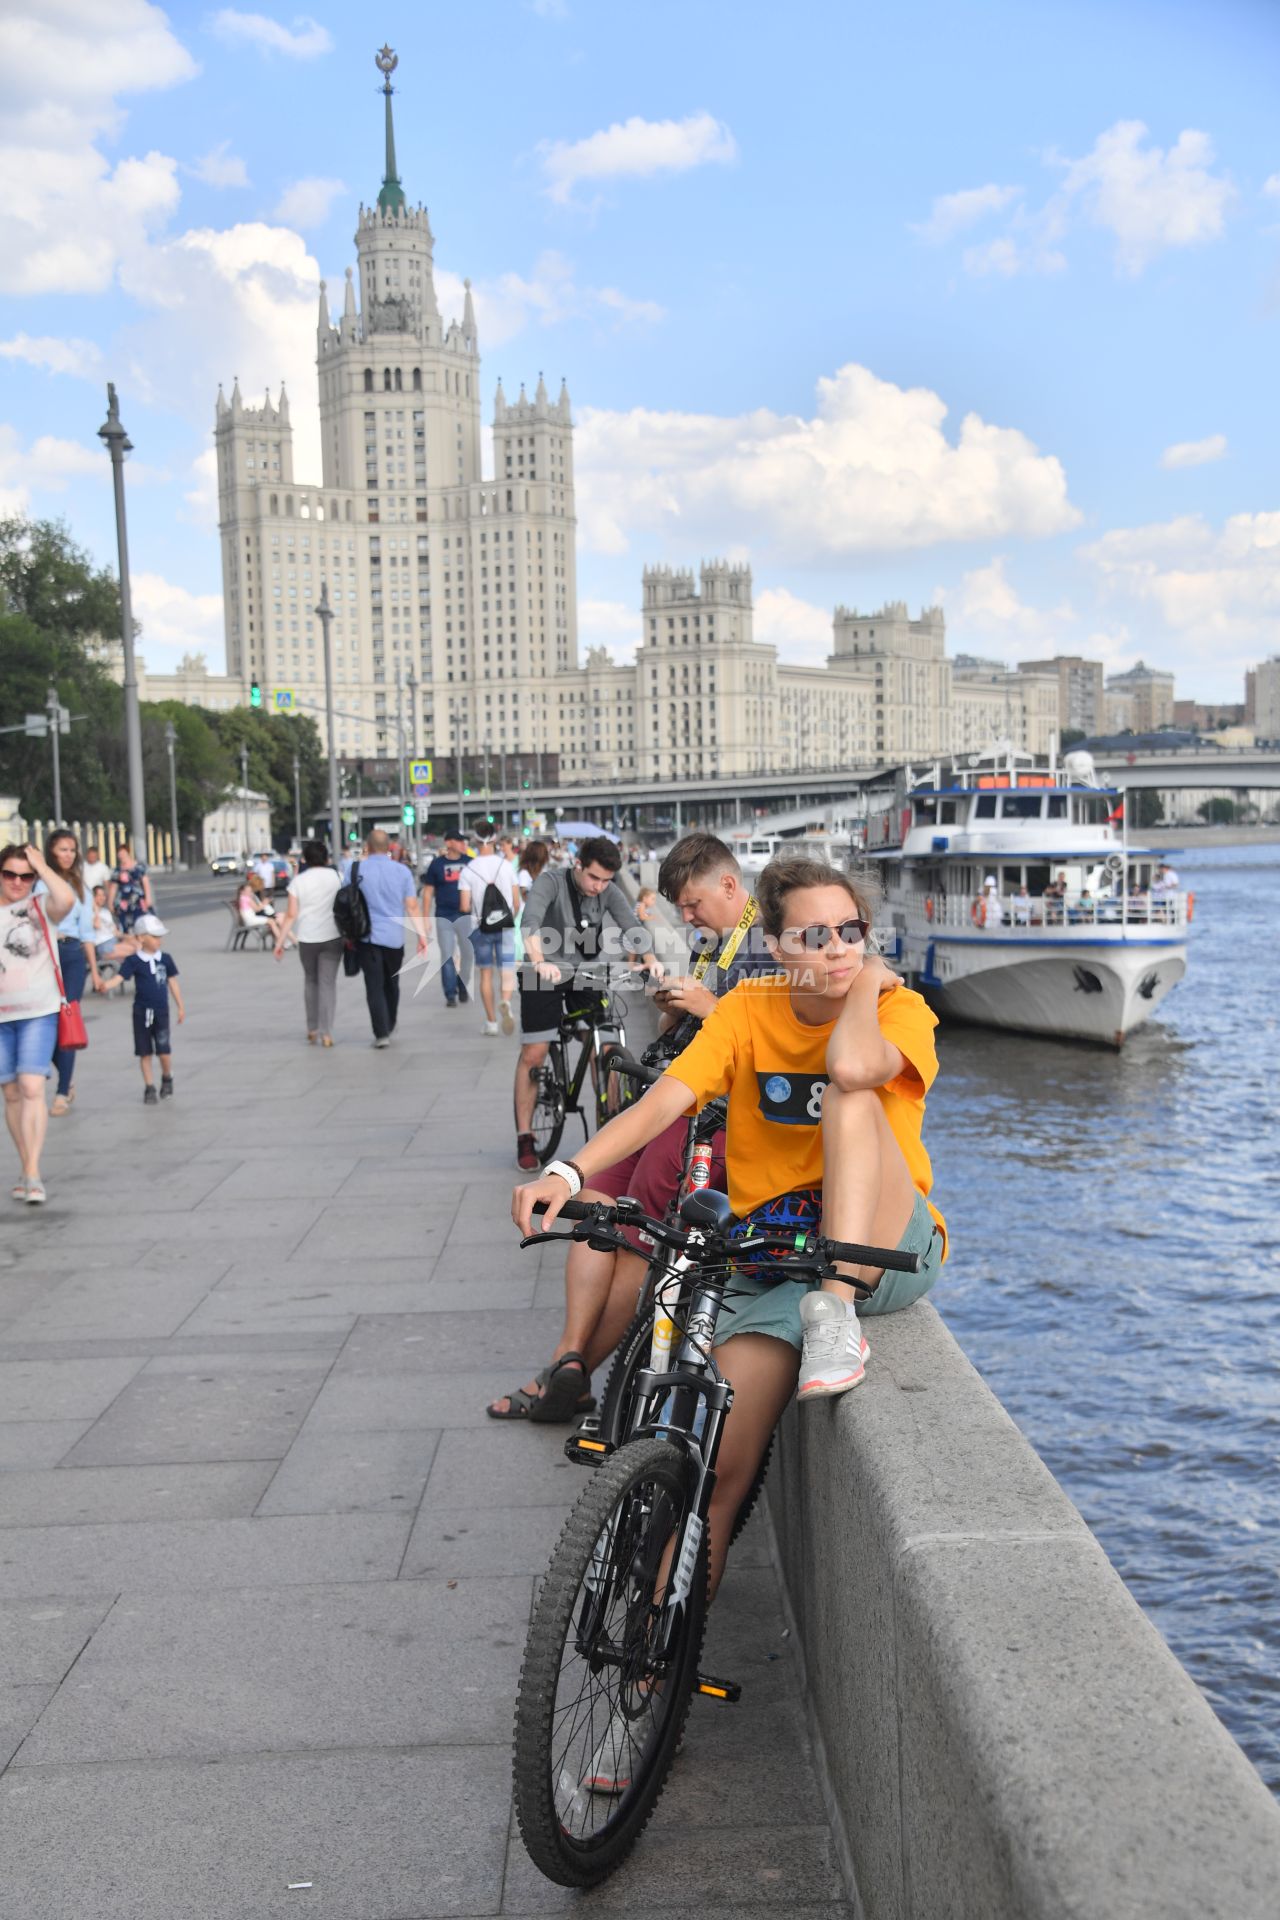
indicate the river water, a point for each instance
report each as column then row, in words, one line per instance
column 1116, row 1279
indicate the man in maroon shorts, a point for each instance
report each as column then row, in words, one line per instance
column 703, row 881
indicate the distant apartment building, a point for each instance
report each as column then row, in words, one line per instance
column 1266, row 699
column 1139, row 701
column 1081, row 701
column 1195, row 716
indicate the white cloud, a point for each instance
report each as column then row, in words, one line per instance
column 1215, row 591
column 306, row 39
column 200, row 501
column 987, row 605
column 69, row 232
column 611, row 624
column 1150, row 198
column 636, row 149
column 1195, row 453
column 800, row 631
column 872, row 470
column 80, row 357
column 307, row 202
column 222, row 168
column 63, row 62
column 549, row 295
column 1271, row 187
column 225, row 302
column 45, row 466
column 954, row 213
column 175, row 621
column 549, row 9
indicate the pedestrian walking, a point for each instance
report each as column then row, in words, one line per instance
column 389, row 894
column 77, row 955
column 308, row 915
column 129, row 888
column 154, row 973
column 441, row 906
column 29, row 1002
column 488, row 890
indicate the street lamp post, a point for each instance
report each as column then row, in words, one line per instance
column 324, row 613
column 402, row 744
column 244, row 798
column 502, row 784
column 118, row 444
column 415, row 752
column 457, row 766
column 170, row 741
column 54, row 711
column 297, row 798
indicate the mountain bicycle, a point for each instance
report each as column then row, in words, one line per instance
column 591, row 1014
column 611, row 1660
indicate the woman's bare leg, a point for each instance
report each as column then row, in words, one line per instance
column 867, row 1192
column 33, row 1121
column 762, row 1372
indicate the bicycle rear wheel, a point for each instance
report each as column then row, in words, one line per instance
column 617, row 1403
column 547, row 1123
column 608, row 1669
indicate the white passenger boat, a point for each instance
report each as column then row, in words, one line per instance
column 1017, row 901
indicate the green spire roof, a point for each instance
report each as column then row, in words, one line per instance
column 391, row 198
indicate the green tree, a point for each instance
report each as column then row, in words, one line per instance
column 272, row 739
column 1146, row 807
column 204, row 771
column 54, row 604
column 1218, row 811
column 1070, row 737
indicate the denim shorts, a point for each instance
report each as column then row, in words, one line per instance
column 494, row 949
column 775, row 1308
column 26, row 1046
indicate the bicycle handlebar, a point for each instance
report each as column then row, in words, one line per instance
column 620, row 1061
column 810, row 1249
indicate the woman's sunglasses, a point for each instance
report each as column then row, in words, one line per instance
column 813, row 939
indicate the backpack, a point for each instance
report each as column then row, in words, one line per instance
column 495, row 914
column 351, row 909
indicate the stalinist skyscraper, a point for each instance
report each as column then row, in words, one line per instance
column 463, row 585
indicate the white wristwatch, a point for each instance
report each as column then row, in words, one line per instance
column 567, row 1172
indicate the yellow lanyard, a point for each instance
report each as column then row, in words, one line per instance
column 725, row 959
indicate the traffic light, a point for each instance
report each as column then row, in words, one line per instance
column 466, row 793
column 528, row 783
column 407, row 814
column 255, row 694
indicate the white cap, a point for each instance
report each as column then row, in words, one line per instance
column 149, row 923
column 990, row 880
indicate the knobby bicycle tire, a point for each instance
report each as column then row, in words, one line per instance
column 547, row 1123
column 600, row 1551
column 630, row 1357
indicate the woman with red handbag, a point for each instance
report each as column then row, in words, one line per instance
column 30, row 998
column 76, row 954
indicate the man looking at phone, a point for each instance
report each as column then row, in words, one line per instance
column 703, row 881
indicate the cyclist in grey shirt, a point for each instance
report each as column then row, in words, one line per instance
column 562, row 926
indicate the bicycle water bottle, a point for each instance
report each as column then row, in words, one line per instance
column 699, row 1168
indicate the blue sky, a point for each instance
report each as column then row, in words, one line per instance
column 975, row 302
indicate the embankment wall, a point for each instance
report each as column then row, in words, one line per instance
column 1004, row 1735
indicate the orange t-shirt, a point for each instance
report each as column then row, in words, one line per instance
column 774, row 1069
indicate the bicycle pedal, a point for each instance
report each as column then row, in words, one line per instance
column 586, row 1449
column 727, row 1691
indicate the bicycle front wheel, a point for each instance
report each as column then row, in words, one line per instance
column 608, row 1669
column 547, row 1123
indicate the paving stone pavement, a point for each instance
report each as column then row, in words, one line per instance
column 265, row 1568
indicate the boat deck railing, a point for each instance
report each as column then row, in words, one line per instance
column 1033, row 913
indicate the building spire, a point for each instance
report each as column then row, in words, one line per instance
column 391, row 198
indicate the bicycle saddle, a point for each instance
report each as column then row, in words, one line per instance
column 707, row 1209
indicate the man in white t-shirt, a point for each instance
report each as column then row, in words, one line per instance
column 493, row 935
column 96, row 871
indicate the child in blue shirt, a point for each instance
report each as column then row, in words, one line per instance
column 155, row 977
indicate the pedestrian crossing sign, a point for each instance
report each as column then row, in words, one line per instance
column 282, row 700
column 420, row 773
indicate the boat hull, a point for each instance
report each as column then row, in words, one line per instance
column 1092, row 991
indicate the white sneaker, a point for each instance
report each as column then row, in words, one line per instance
column 507, row 1017
column 610, row 1767
column 489, row 1028
column 835, row 1348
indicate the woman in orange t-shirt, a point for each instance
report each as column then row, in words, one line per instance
column 826, row 1065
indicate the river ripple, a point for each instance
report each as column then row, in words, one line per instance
column 1116, row 1278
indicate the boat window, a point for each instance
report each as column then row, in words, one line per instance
column 1057, row 806
column 1020, row 806
column 761, row 846
column 926, row 813
column 1092, row 810
column 946, row 813
column 985, row 807
column 1037, row 879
